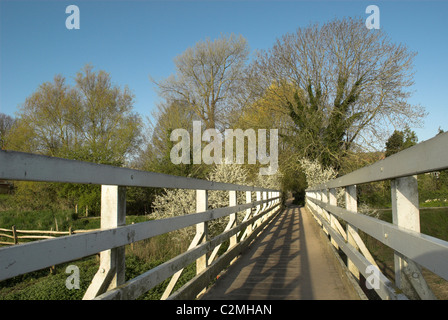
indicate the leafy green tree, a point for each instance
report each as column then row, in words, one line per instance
column 110, row 132
column 395, row 143
column 92, row 121
column 400, row 140
column 155, row 156
column 42, row 124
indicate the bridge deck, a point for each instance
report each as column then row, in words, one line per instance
column 289, row 261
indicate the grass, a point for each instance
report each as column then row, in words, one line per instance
column 433, row 222
column 51, row 220
column 140, row 257
column 45, row 285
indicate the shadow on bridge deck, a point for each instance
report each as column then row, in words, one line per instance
column 289, row 261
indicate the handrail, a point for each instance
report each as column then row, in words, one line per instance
column 412, row 248
column 33, row 167
column 110, row 240
column 86, row 244
column 427, row 156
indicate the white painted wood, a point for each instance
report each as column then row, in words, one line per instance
column 427, row 251
column 258, row 209
column 332, row 199
column 387, row 289
column 230, row 225
column 248, row 215
column 351, row 204
column 32, row 167
column 16, row 260
column 322, row 196
column 233, row 217
column 197, row 238
column 139, row 285
column 413, row 249
column 265, row 204
column 189, row 290
column 406, row 214
column 202, row 229
column 427, row 156
column 114, row 234
column 111, row 271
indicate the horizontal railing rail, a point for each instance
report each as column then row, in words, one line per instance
column 110, row 241
column 32, row 167
column 412, row 249
column 428, row 156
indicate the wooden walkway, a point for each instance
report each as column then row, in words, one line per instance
column 288, row 261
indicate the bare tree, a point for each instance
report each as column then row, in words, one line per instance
column 351, row 82
column 207, row 75
column 6, row 123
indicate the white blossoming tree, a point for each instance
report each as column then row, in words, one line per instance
column 176, row 202
column 316, row 174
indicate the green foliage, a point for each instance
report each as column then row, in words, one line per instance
column 433, row 189
column 43, row 285
column 48, row 219
column 375, row 195
column 322, row 131
column 136, row 266
column 400, row 140
column 83, row 195
column 139, row 200
column 92, row 121
column 29, row 196
column 156, row 155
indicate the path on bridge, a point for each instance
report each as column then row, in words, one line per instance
column 288, row 261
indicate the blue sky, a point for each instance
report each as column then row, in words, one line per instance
column 134, row 39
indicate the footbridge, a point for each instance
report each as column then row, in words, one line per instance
column 270, row 248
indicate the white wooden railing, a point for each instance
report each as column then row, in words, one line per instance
column 413, row 249
column 110, row 241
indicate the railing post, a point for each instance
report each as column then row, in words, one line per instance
column 201, row 229
column 351, row 204
column 406, row 214
column 271, row 203
column 248, row 212
column 258, row 210
column 265, row 205
column 324, row 214
column 111, row 273
column 233, row 217
column 332, row 200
